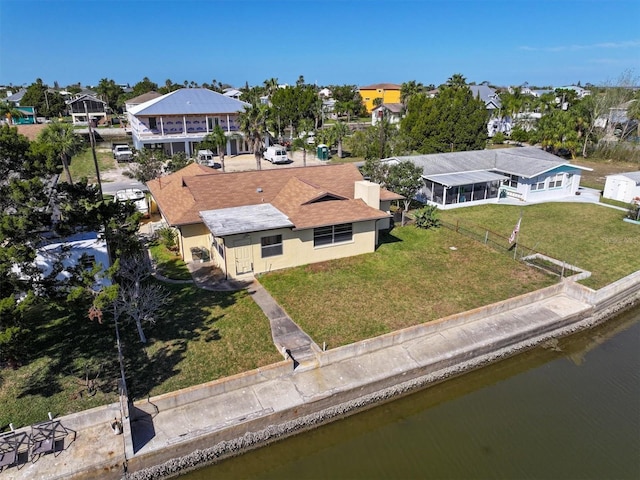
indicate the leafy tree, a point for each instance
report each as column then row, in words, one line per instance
column 405, row 179
column 519, row 135
column 47, row 102
column 63, row 143
column 598, row 107
column 24, row 215
column 293, row 104
column 348, row 101
column 253, row 125
column 144, row 86
column 302, row 141
column 376, row 171
column 148, row 166
column 374, row 142
column 110, row 92
column 452, row 121
column 178, row 160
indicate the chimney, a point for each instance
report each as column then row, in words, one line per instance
column 369, row 192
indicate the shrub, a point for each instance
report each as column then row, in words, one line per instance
column 168, row 237
column 498, row 138
column 427, row 217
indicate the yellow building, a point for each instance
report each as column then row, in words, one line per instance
column 388, row 92
column 257, row 221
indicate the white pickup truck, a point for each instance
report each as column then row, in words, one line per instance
column 122, row 152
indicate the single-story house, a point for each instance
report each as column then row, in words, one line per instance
column 528, row 174
column 624, row 187
column 178, row 121
column 257, row 221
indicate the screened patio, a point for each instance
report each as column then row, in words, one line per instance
column 453, row 188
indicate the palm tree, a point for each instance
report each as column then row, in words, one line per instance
column 271, row 86
column 218, row 140
column 410, row 89
column 456, row 80
column 339, row 131
column 9, row 111
column 63, row 141
column 253, row 125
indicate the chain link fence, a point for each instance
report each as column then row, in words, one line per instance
column 517, row 250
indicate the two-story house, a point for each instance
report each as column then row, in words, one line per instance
column 178, row 121
column 387, row 92
column 86, row 107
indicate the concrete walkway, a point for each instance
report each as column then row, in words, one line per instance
column 287, row 336
column 225, row 412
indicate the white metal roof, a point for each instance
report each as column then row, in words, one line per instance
column 251, row 218
column 189, row 101
column 465, row 178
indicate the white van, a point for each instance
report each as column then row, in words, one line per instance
column 205, row 157
column 276, row 154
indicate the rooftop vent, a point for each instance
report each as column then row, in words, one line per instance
column 259, row 189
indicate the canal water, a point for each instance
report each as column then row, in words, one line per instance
column 570, row 410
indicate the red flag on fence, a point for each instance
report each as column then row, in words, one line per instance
column 514, row 234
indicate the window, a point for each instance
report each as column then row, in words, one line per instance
column 153, row 123
column 271, row 246
column 556, row 181
column 212, row 122
column 217, row 245
column 538, row 184
column 512, row 181
column 332, row 234
column 87, row 261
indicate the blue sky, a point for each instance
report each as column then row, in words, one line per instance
column 543, row 42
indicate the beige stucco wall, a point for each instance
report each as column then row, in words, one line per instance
column 196, row 235
column 297, row 249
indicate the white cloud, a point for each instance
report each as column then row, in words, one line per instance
column 563, row 48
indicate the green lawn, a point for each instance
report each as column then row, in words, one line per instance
column 202, row 336
column 169, row 264
column 82, row 164
column 588, row 236
column 412, row 278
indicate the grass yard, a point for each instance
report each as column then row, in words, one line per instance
column 169, row 264
column 588, row 236
column 202, row 336
column 602, row 168
column 82, row 164
column 413, row 277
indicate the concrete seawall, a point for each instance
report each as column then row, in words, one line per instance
column 173, row 433
column 379, row 369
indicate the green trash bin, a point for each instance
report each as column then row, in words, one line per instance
column 322, row 152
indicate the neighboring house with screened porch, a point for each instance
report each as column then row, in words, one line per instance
column 257, row 221
column 178, row 121
column 460, row 179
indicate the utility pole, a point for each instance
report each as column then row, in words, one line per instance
column 93, row 150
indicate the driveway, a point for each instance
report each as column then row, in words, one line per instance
column 114, row 179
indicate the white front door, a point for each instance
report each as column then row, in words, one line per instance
column 244, row 259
